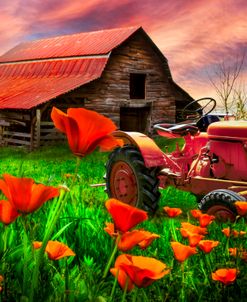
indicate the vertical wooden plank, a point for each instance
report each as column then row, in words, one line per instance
column 1, row 135
column 37, row 130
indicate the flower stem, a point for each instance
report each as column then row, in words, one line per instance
column 54, row 218
column 183, row 282
column 66, row 281
column 78, row 162
column 114, row 286
column 125, row 289
column 172, row 228
column 25, row 255
column 108, row 265
column 5, row 240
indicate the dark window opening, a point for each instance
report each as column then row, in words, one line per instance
column 137, row 85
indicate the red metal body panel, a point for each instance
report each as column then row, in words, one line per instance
column 26, row 85
column 152, row 155
column 228, row 130
column 81, row 44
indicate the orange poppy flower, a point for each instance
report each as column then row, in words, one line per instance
column 194, row 239
column 125, row 216
column 205, row 220
column 193, row 228
column 226, row 232
column 236, row 233
column 196, row 213
column 242, row 253
column 181, row 251
column 241, row 207
column 148, row 241
column 8, row 213
column 55, row 249
column 225, row 275
column 143, row 271
column 136, row 237
column 172, row 212
column 24, row 195
column 85, row 130
column 37, row 245
column 207, row 245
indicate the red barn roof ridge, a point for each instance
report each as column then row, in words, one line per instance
column 79, row 44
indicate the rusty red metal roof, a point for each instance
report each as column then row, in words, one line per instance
column 81, row 44
column 29, row 84
column 37, row 71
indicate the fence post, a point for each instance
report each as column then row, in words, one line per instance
column 37, row 128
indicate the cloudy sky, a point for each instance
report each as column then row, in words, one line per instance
column 194, row 35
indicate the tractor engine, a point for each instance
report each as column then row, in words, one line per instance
column 225, row 155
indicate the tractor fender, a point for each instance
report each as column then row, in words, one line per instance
column 151, row 153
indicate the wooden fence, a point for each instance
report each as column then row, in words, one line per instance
column 29, row 133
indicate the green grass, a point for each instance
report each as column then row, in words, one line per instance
column 80, row 226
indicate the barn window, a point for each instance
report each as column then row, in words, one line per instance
column 137, row 85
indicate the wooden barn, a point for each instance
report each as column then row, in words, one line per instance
column 120, row 73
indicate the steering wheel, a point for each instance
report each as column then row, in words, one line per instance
column 198, row 112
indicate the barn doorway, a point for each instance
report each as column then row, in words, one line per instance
column 135, row 119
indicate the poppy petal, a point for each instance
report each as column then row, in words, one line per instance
column 172, row 212
column 196, row 213
column 148, row 241
column 109, row 142
column 92, row 127
column 19, row 191
column 205, row 220
column 130, row 239
column 57, row 250
column 41, row 194
column 122, row 278
column 241, row 207
column 58, row 118
column 193, row 228
column 69, row 126
column 194, row 239
column 5, row 189
column 125, row 216
column 181, row 251
column 8, row 213
column 37, row 244
column 110, row 229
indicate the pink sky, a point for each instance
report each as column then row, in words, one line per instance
column 194, row 35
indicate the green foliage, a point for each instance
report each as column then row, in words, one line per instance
column 81, row 227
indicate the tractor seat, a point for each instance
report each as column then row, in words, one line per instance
column 175, row 130
column 228, row 130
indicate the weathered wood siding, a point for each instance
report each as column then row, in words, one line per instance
column 111, row 92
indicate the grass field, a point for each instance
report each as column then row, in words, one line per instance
column 80, row 226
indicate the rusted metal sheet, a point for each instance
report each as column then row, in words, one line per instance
column 27, row 85
column 81, row 44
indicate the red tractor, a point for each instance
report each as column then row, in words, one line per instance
column 212, row 164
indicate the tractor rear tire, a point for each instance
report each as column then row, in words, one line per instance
column 128, row 180
column 220, row 203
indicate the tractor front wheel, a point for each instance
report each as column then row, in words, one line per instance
column 128, row 180
column 220, row 203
